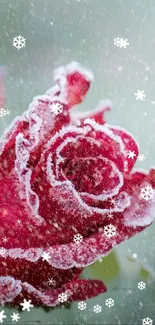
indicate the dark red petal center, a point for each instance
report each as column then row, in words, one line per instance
column 89, row 174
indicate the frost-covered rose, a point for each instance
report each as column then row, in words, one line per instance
column 67, row 195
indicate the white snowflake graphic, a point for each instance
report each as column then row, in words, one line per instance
column 147, row 193
column 46, row 256
column 153, row 102
column 131, row 154
column 19, row 42
column 147, row 68
column 56, row 108
column 141, row 285
column 110, row 215
column 4, row 112
column 121, row 42
column 141, row 157
column 5, row 239
column 140, row 94
column 134, row 255
column 62, row 297
column 119, row 68
column 52, row 282
column 97, row 309
column 110, row 230
column 15, row 317
column 26, row 305
column 2, row 316
column 109, row 302
column 147, row 321
column 78, row 238
column 82, row 305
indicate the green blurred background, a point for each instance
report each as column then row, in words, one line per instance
column 57, row 32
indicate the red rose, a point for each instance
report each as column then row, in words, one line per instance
column 67, row 197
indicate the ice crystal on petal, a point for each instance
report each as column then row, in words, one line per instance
column 147, row 193
column 110, row 230
column 78, row 238
column 62, row 297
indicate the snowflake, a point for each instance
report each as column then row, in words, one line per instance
column 147, row 193
column 153, row 102
column 97, row 309
column 78, row 238
column 147, row 68
column 119, row 68
column 121, row 42
column 26, row 305
column 140, row 94
column 147, row 321
column 110, row 215
column 19, row 42
column 141, row 285
column 2, row 112
column 134, row 255
column 112, row 201
column 131, row 154
column 46, row 256
column 110, row 230
column 19, row 222
column 56, row 108
column 15, row 317
column 2, row 251
column 51, row 281
column 62, row 297
column 2, row 316
column 82, row 305
column 141, row 157
column 109, row 302
column 5, row 239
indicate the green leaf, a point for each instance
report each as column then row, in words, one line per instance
column 144, row 274
column 105, row 270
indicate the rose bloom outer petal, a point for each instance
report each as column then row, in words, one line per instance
column 129, row 144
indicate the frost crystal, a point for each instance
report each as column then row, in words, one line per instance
column 109, row 302
column 19, row 42
column 147, row 193
column 110, row 230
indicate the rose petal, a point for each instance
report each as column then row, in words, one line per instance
column 129, row 144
